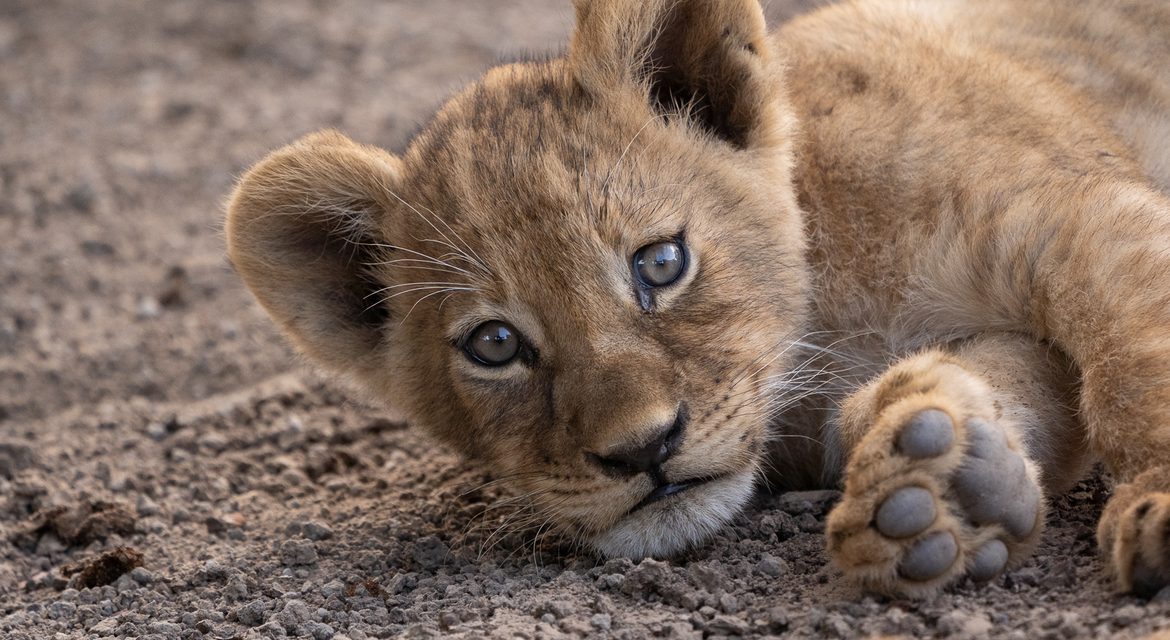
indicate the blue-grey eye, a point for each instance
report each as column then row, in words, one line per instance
column 660, row 264
column 493, row 344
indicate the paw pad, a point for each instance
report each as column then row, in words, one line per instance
column 993, row 484
column 930, row 498
column 930, row 557
column 929, row 434
column 907, row 512
column 988, row 561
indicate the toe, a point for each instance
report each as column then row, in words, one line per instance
column 929, row 433
column 930, row 557
column 985, row 440
column 993, row 483
column 988, row 561
column 907, row 512
column 1023, row 511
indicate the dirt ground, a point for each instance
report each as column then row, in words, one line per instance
column 169, row 470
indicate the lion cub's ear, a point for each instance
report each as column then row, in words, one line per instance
column 300, row 228
column 709, row 60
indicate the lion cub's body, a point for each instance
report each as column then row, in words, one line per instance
column 928, row 246
column 925, row 123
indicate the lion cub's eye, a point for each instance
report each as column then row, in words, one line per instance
column 660, row 264
column 493, row 344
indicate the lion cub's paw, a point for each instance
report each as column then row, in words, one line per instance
column 1135, row 533
column 931, row 497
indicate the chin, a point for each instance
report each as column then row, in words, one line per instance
column 680, row 522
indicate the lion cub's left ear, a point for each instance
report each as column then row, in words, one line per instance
column 708, row 60
column 302, row 226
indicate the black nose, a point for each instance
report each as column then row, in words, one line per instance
column 643, row 458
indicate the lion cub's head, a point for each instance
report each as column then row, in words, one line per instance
column 582, row 272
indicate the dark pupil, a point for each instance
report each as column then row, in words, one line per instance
column 495, row 343
column 660, row 264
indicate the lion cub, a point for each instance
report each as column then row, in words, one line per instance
column 918, row 248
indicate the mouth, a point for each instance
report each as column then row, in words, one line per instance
column 667, row 489
column 680, row 522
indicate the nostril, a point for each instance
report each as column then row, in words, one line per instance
column 675, row 435
column 646, row 457
column 611, row 466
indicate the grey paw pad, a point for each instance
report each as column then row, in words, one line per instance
column 907, row 512
column 984, row 440
column 930, row 557
column 988, row 561
column 993, row 483
column 928, row 434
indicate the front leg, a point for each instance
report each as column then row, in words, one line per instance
column 947, row 454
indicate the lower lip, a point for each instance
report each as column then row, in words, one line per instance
column 665, row 491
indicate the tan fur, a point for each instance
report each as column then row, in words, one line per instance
column 891, row 205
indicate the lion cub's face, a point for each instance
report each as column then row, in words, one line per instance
column 583, row 272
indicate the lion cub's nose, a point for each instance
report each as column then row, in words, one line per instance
column 647, row 457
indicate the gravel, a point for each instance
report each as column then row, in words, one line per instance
column 169, row 472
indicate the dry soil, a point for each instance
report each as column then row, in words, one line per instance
column 169, row 470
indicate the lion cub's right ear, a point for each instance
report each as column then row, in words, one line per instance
column 301, row 228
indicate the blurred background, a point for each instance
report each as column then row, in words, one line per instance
column 123, row 124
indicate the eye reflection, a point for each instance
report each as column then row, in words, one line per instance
column 660, row 264
column 493, row 344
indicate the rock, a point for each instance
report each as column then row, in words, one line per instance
column 314, row 530
column 320, row 631
column 145, row 506
column 106, row 627
column 294, row 614
column 649, row 576
column 728, row 626
column 298, row 552
column 1127, row 615
column 964, row 624
column 218, row 525
column 166, row 629
column 62, row 610
column 814, row 502
column 777, row 619
column 728, row 603
column 837, row 626
column 430, row 552
column 771, row 566
column 252, row 614
column 14, row 458
column 559, row 609
column 235, row 589
column 1029, row 576
column 448, row 620
column 707, row 576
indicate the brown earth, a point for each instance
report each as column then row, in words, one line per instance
column 149, row 415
